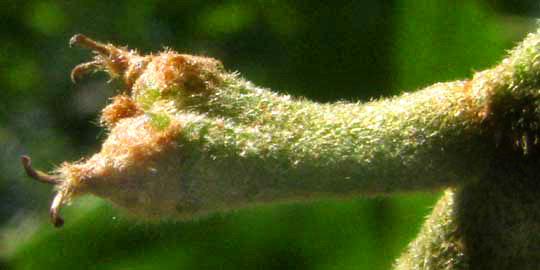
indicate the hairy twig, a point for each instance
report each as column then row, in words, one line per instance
column 191, row 138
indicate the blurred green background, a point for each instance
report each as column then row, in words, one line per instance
column 327, row 51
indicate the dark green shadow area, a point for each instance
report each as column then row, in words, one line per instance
column 293, row 236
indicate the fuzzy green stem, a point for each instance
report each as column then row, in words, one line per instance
column 418, row 141
column 249, row 145
column 193, row 138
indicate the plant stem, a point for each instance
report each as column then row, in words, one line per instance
column 191, row 138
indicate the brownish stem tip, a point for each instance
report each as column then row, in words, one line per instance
column 113, row 60
column 49, row 179
column 57, row 220
column 38, row 175
column 54, row 211
column 83, row 68
column 85, row 42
